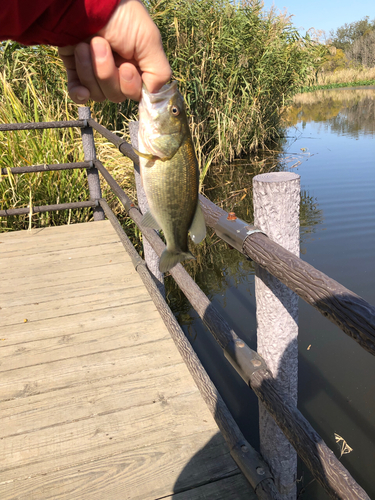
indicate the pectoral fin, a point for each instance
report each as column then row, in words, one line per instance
column 147, row 156
column 198, row 227
column 149, row 221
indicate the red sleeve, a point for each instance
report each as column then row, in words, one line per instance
column 53, row 22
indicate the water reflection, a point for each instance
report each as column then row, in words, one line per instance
column 348, row 112
column 310, row 216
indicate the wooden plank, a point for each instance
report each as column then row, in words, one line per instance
column 101, row 320
column 55, row 232
column 102, row 284
column 147, row 473
column 83, row 261
column 50, row 376
column 51, row 239
column 30, row 244
column 128, row 335
column 115, row 429
column 24, row 258
column 125, row 296
column 21, row 416
column 63, row 278
column 234, row 488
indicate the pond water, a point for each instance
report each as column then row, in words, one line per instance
column 330, row 144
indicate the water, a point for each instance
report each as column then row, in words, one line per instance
column 330, row 144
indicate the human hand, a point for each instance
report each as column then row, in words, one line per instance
column 127, row 51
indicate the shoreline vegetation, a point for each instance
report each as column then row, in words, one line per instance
column 238, row 68
column 360, row 83
column 347, row 77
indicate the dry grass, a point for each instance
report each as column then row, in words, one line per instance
column 21, row 101
column 343, row 445
column 346, row 76
column 344, row 95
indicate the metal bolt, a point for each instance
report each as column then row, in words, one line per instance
column 240, row 343
column 244, row 448
column 260, row 471
column 231, row 216
column 256, row 362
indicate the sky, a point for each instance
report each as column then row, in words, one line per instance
column 324, row 14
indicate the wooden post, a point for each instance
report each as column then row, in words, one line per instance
column 88, row 143
column 151, row 257
column 276, row 212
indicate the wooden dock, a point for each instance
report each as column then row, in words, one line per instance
column 95, row 400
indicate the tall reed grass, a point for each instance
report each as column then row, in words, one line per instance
column 237, row 68
column 33, row 88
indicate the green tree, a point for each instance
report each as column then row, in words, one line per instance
column 347, row 34
column 362, row 51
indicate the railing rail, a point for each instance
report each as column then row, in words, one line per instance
column 354, row 315
column 48, row 208
column 329, row 297
column 8, row 127
column 46, row 168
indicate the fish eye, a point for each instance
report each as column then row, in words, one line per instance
column 175, row 111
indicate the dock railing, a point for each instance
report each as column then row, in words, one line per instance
column 350, row 312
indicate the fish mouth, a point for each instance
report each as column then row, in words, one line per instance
column 154, row 104
column 165, row 93
column 152, row 108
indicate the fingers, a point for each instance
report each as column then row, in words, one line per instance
column 134, row 36
column 77, row 92
column 153, row 78
column 125, row 52
column 130, row 81
column 154, row 64
column 85, row 71
column 116, row 84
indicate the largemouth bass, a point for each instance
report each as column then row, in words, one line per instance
column 169, row 172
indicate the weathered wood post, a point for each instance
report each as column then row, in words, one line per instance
column 151, row 257
column 276, row 212
column 88, row 143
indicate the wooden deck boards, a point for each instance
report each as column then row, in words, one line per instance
column 95, row 401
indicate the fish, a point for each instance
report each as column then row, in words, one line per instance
column 169, row 172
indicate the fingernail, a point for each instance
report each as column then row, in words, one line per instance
column 100, row 50
column 127, row 74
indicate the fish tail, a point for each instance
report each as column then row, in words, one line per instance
column 169, row 259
